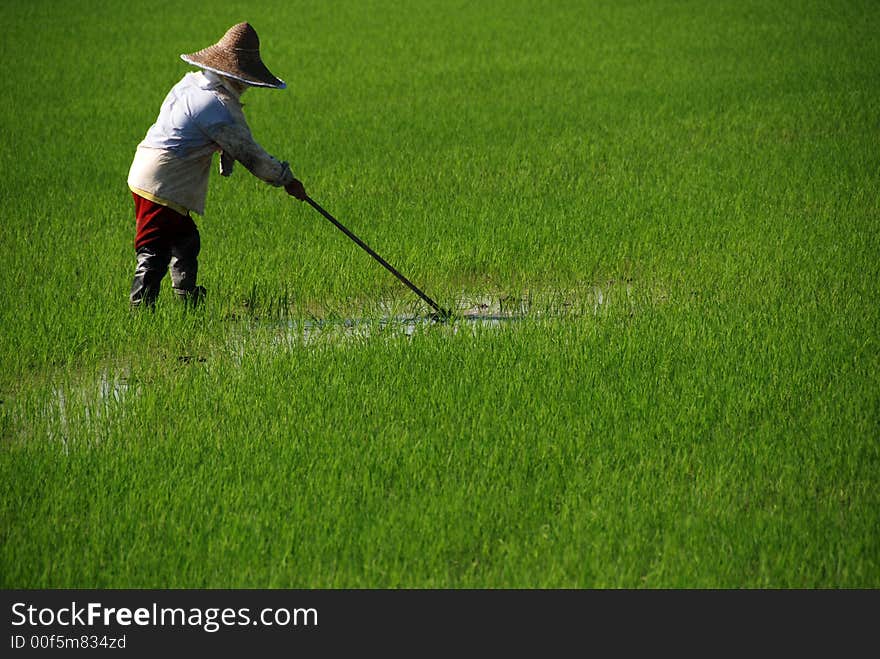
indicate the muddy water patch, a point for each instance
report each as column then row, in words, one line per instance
column 310, row 332
column 472, row 313
column 86, row 404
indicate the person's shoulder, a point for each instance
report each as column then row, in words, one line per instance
column 195, row 83
column 190, row 80
column 206, row 104
column 201, row 95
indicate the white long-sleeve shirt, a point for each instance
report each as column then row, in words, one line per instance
column 200, row 116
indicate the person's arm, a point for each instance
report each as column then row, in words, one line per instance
column 237, row 143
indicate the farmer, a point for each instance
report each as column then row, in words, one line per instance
column 201, row 115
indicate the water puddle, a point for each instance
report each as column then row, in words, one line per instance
column 390, row 320
column 86, row 405
column 384, row 321
column 404, row 325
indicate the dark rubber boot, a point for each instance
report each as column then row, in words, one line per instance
column 152, row 264
column 185, row 268
column 185, row 261
column 191, row 298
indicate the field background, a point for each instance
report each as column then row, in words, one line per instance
column 681, row 195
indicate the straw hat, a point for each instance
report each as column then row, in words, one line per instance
column 236, row 55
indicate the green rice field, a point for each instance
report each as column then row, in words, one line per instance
column 658, row 222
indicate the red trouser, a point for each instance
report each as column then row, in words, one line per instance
column 159, row 226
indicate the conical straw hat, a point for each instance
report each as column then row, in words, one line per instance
column 236, row 55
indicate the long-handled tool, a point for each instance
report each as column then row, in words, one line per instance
column 441, row 314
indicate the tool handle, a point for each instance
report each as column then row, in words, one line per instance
column 369, row 251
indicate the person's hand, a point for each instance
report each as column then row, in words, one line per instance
column 295, row 189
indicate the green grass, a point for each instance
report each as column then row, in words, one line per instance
column 712, row 168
